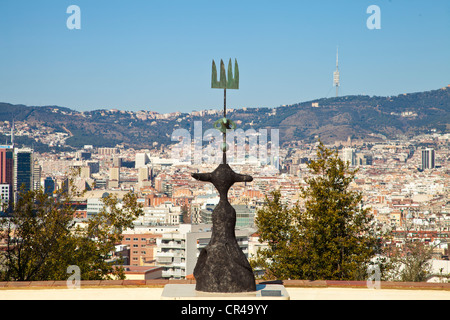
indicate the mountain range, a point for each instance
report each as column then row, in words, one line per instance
column 332, row 119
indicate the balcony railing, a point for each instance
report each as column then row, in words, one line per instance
column 172, row 244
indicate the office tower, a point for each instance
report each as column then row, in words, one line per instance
column 6, row 172
column 348, row 155
column 6, row 164
column 141, row 160
column 64, row 185
column 23, row 171
column 363, row 159
column 143, row 174
column 159, row 184
column 114, row 177
column 49, row 186
column 114, row 173
column 94, row 166
column 143, row 177
column 85, row 172
column 428, row 158
column 84, row 155
column 117, row 162
column 37, row 169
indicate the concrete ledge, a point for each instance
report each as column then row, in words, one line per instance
column 188, row 292
column 153, row 290
column 160, row 283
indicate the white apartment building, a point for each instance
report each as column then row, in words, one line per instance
column 349, row 155
column 4, row 196
column 141, row 160
column 95, row 200
column 164, row 214
column 178, row 251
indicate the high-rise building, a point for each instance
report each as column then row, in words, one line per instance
column 143, row 174
column 143, row 177
column 428, row 158
column 6, row 173
column 85, row 172
column 141, row 160
column 117, row 162
column 114, row 173
column 49, row 186
column 363, row 159
column 37, row 170
column 84, row 155
column 349, row 155
column 23, row 171
column 159, row 184
column 114, row 177
column 94, row 166
column 6, row 164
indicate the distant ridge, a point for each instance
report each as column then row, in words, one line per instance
column 331, row 119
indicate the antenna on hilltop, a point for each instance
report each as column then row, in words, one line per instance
column 336, row 82
column 12, row 133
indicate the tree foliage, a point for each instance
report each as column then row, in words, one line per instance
column 42, row 240
column 329, row 238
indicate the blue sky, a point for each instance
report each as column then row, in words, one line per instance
column 156, row 55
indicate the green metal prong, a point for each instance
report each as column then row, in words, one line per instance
column 225, row 82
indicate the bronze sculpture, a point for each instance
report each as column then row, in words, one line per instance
column 222, row 266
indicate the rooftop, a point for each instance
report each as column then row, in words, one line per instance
column 152, row 290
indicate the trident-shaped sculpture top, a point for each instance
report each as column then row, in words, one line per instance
column 226, row 81
column 221, row 265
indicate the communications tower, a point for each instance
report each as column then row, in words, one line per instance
column 336, row 74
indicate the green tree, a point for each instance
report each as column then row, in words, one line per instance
column 35, row 236
column 42, row 240
column 102, row 233
column 275, row 223
column 329, row 238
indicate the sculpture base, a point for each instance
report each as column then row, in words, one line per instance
column 188, row 292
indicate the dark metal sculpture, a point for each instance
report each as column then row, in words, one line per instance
column 222, row 266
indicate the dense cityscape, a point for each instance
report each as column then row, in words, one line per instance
column 405, row 183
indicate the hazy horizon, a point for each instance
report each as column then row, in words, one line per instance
column 212, row 108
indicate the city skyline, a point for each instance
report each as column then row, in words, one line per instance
column 157, row 56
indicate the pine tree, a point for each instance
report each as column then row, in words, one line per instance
column 330, row 238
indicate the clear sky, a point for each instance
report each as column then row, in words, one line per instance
column 156, row 55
